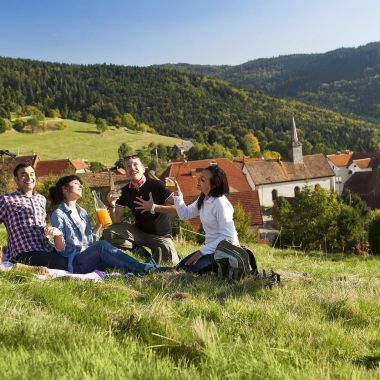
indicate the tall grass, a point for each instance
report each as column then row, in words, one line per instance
column 321, row 323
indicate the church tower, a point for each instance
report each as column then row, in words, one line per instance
column 295, row 147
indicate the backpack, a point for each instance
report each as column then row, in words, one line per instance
column 236, row 262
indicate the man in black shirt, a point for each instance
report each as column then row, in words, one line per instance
column 151, row 203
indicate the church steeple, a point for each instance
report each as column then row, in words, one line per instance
column 295, row 146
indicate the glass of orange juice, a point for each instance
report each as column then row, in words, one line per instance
column 103, row 217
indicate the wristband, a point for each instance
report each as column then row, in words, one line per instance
column 152, row 209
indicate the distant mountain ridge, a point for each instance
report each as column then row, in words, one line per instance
column 179, row 104
column 346, row 80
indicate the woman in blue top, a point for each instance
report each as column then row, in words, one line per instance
column 75, row 239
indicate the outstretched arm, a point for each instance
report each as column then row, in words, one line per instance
column 149, row 206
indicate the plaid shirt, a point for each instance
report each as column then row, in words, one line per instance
column 24, row 218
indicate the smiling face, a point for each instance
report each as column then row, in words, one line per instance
column 134, row 168
column 203, row 183
column 26, row 180
column 73, row 191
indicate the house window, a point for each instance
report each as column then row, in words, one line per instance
column 274, row 194
column 317, row 187
column 296, row 190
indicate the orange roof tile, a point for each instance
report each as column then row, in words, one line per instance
column 53, row 168
column 79, row 164
column 341, row 159
column 98, row 180
column 363, row 163
column 187, row 172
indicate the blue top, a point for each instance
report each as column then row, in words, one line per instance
column 72, row 236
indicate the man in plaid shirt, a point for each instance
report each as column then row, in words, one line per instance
column 23, row 213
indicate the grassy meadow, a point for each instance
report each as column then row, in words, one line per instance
column 79, row 141
column 322, row 322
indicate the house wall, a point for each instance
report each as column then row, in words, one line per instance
column 342, row 174
column 287, row 189
column 355, row 168
column 249, row 179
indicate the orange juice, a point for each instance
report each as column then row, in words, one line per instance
column 103, row 217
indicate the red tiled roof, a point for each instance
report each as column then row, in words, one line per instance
column 78, row 164
column 98, row 180
column 347, row 158
column 186, row 174
column 54, row 168
column 363, row 163
column 10, row 163
column 276, row 171
column 120, row 171
column 341, row 159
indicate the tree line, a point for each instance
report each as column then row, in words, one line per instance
column 174, row 103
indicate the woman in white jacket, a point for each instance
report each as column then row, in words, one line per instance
column 216, row 214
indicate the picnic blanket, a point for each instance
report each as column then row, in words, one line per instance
column 97, row 275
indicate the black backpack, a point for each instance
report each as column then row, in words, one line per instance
column 236, row 262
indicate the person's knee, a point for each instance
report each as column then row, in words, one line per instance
column 107, row 234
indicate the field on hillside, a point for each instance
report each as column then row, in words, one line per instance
column 322, row 322
column 79, row 141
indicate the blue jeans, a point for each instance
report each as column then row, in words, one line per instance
column 102, row 255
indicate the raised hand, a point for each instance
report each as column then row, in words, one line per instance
column 144, row 205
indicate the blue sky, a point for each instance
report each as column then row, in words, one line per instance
column 146, row 32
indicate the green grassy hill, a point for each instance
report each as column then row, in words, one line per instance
column 79, row 141
column 321, row 323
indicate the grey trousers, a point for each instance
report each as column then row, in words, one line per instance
column 124, row 236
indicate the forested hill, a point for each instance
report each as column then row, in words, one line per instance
column 346, row 80
column 177, row 104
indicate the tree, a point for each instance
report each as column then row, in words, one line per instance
column 128, row 121
column 374, row 233
column 251, row 145
column 101, row 125
column 318, row 220
column 5, row 125
column 97, row 167
column 90, row 118
column 34, row 123
column 271, row 155
column 242, row 221
column 18, row 125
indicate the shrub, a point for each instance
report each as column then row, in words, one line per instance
column 374, row 232
column 5, row 125
column 242, row 221
column 318, row 220
column 18, row 125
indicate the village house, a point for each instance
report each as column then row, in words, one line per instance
column 187, row 172
column 275, row 178
column 181, row 148
column 45, row 168
column 346, row 164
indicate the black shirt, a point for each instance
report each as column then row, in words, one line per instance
column 158, row 223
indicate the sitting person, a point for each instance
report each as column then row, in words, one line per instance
column 24, row 213
column 216, row 214
column 75, row 239
column 153, row 226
